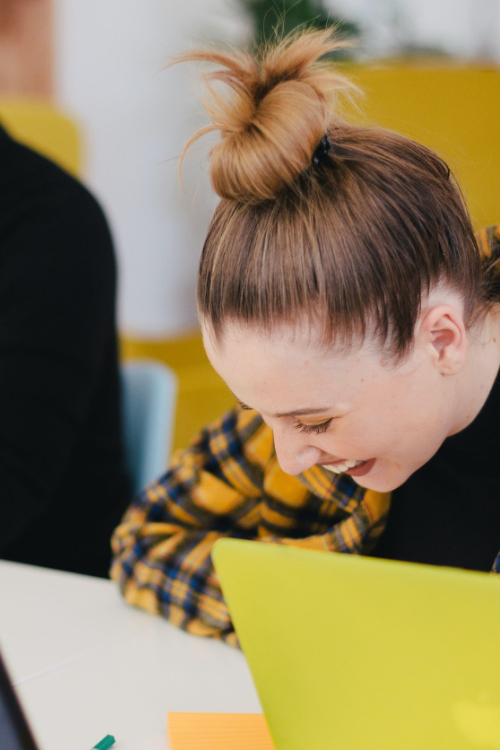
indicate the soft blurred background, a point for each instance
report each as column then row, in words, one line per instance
column 86, row 82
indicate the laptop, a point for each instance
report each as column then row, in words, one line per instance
column 355, row 653
column 15, row 733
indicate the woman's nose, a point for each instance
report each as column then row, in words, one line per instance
column 293, row 452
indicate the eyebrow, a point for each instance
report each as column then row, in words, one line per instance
column 295, row 413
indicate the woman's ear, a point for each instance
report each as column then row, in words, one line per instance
column 441, row 331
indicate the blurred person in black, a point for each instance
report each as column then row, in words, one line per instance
column 63, row 486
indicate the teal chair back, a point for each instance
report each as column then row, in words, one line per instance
column 149, row 392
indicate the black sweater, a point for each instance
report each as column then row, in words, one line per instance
column 62, row 481
column 448, row 512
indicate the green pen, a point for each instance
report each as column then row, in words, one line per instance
column 105, row 743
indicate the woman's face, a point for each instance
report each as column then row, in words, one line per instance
column 347, row 412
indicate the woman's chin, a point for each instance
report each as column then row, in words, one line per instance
column 383, row 478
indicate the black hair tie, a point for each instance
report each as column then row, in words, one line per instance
column 322, row 149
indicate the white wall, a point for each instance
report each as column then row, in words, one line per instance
column 136, row 117
column 466, row 28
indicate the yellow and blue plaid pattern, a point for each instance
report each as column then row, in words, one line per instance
column 229, row 483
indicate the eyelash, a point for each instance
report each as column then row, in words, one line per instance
column 317, row 429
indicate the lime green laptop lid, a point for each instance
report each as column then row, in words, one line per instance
column 353, row 653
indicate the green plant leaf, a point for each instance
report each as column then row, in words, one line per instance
column 271, row 18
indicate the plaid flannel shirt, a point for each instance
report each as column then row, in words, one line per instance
column 229, row 483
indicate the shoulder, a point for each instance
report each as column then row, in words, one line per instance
column 48, row 216
column 28, row 179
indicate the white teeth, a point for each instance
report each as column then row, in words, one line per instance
column 352, row 464
column 338, row 468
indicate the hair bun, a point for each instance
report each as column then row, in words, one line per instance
column 274, row 112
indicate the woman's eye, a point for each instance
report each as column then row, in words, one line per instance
column 317, row 429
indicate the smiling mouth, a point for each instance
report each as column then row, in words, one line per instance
column 351, row 466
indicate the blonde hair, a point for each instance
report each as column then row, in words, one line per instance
column 355, row 235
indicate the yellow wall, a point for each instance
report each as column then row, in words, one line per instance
column 455, row 111
column 43, row 128
column 202, row 395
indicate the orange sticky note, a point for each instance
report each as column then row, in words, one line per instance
column 189, row 731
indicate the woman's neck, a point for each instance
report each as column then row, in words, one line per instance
column 480, row 371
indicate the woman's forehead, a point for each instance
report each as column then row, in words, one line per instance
column 306, row 336
column 245, row 353
column 300, row 339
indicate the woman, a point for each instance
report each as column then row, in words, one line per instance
column 344, row 300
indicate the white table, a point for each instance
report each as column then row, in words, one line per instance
column 85, row 664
